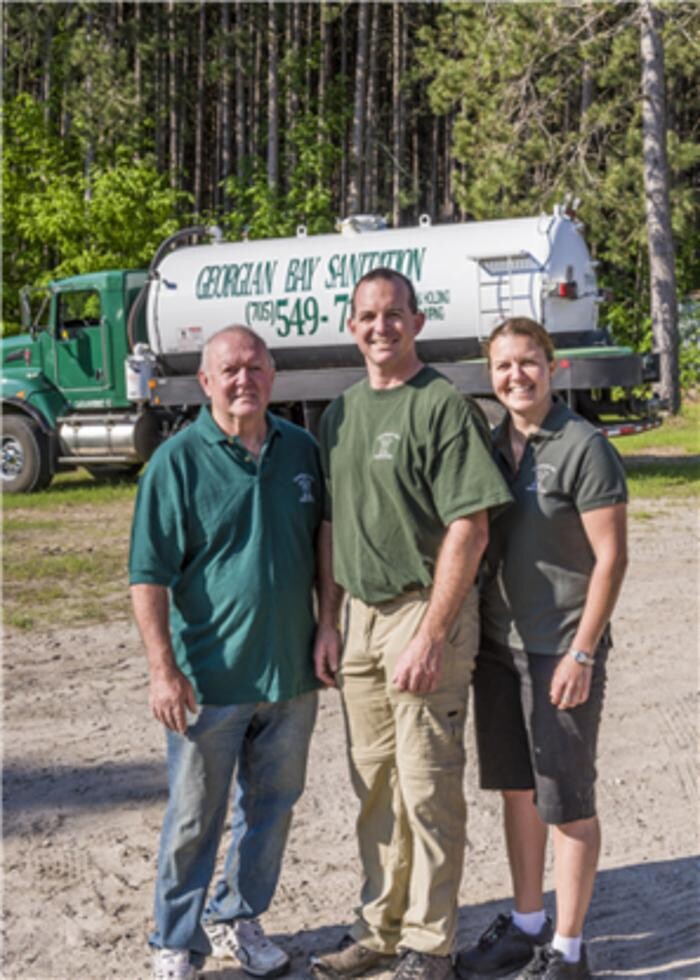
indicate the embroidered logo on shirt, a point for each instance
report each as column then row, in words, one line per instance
column 305, row 482
column 544, row 472
column 385, row 445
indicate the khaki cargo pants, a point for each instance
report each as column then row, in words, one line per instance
column 407, row 767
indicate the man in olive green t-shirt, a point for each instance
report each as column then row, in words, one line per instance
column 410, row 480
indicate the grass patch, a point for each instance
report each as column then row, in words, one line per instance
column 674, row 480
column 69, row 568
column 644, row 515
column 70, row 490
column 27, row 524
column 679, row 435
column 665, row 462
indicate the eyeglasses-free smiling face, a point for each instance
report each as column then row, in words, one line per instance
column 237, row 376
column 385, row 330
column 521, row 375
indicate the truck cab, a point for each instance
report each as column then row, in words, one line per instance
column 65, row 377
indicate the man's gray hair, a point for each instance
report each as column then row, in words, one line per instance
column 238, row 330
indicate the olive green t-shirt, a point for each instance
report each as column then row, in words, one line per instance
column 401, row 464
column 539, row 561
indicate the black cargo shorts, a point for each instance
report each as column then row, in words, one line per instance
column 524, row 742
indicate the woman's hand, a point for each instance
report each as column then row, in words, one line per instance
column 571, row 683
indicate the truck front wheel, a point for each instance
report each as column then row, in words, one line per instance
column 26, row 465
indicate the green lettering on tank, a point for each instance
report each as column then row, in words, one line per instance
column 228, row 287
column 345, row 270
column 300, row 274
column 244, row 279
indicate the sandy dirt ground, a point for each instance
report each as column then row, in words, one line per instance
column 84, row 792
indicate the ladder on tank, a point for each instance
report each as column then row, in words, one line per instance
column 505, row 288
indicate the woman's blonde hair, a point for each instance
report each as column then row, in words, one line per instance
column 521, row 326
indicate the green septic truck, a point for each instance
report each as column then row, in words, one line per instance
column 106, row 369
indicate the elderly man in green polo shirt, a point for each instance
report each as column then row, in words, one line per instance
column 222, row 568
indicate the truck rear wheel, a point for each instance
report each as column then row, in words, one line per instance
column 26, row 465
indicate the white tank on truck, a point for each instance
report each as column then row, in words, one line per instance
column 295, row 292
column 107, row 367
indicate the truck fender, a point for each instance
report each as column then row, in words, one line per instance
column 17, row 406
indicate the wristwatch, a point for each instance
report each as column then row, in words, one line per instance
column 581, row 657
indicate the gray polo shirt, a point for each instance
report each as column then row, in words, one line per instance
column 539, row 561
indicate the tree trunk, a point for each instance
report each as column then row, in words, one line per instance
column 199, row 117
column 324, row 68
column 138, row 69
column 355, row 203
column 396, row 114
column 90, row 145
column 256, row 102
column 225, row 99
column 433, row 186
column 370, row 155
column 172, row 96
column 240, row 93
column 272, row 100
column 344, row 78
column 664, row 310
column 47, row 75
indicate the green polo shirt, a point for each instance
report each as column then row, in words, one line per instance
column 539, row 561
column 233, row 539
column 401, row 464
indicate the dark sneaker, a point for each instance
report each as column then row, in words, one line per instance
column 502, row 949
column 424, row 966
column 350, row 959
column 549, row 964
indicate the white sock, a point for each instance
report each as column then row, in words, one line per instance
column 529, row 922
column 568, row 946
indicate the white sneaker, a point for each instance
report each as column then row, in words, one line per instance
column 173, row 964
column 244, row 940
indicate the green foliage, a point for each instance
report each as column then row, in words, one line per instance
column 59, row 221
column 260, row 211
column 512, row 77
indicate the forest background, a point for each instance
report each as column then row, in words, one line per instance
column 125, row 121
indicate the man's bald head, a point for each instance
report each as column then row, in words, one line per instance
column 236, row 330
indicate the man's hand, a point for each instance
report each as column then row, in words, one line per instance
column 419, row 666
column 571, row 684
column 327, row 650
column 170, row 695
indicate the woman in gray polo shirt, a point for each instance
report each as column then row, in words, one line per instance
column 553, row 571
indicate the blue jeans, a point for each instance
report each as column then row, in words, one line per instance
column 266, row 744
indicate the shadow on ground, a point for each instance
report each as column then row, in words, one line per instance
column 100, row 786
column 661, row 899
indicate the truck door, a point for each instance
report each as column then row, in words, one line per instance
column 81, row 352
